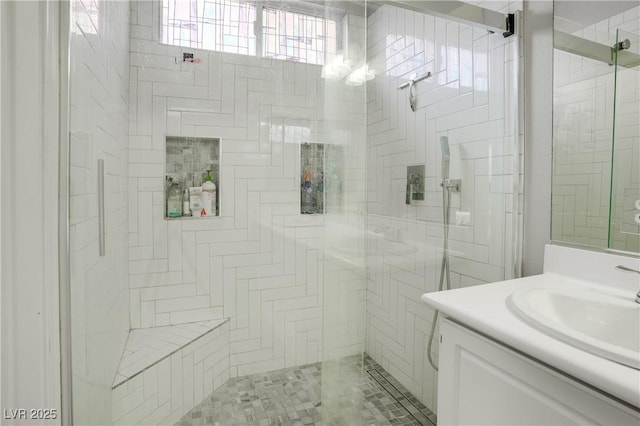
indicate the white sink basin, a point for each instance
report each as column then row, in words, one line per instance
column 602, row 323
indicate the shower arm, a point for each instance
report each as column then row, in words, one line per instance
column 413, row 100
column 413, row 81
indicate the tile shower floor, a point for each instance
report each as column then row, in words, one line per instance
column 294, row 396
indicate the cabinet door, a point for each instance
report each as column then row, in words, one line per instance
column 482, row 382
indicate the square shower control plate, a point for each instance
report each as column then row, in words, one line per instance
column 415, row 178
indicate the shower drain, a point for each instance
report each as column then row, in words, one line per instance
column 423, row 416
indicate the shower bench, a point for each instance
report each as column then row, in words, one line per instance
column 165, row 371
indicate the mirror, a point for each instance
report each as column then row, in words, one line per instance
column 596, row 123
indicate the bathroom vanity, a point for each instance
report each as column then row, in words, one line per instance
column 500, row 365
column 483, row 382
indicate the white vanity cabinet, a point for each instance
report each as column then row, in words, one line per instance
column 482, row 382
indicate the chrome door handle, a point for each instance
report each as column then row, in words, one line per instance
column 101, row 226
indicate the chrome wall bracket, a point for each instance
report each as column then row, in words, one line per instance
column 596, row 51
column 510, row 23
column 452, row 185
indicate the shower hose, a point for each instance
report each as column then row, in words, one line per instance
column 444, row 267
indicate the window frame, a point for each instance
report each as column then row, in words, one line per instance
column 326, row 13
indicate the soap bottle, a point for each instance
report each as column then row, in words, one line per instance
column 307, row 194
column 174, row 200
column 195, row 201
column 209, row 195
column 186, row 209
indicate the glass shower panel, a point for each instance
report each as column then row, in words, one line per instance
column 343, row 94
column 582, row 130
column 322, row 285
column 98, row 234
column 466, row 115
column 624, row 216
column 290, row 283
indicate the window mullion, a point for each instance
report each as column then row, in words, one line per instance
column 258, row 26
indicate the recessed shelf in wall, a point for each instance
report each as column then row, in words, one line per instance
column 321, row 167
column 188, row 160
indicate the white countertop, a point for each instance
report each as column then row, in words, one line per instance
column 484, row 309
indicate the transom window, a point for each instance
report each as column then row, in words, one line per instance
column 249, row 29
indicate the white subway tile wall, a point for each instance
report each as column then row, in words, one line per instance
column 583, row 132
column 260, row 264
column 99, row 93
column 469, row 99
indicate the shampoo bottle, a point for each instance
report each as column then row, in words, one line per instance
column 195, row 201
column 209, row 195
column 186, row 209
column 306, row 194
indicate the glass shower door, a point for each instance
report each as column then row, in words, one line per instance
column 98, row 236
column 624, row 213
column 437, row 79
column 343, row 271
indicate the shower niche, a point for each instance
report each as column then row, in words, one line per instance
column 321, row 167
column 192, row 177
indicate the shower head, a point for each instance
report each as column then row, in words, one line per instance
column 444, row 146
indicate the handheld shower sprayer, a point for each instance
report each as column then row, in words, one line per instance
column 446, row 183
column 446, row 156
column 448, row 186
